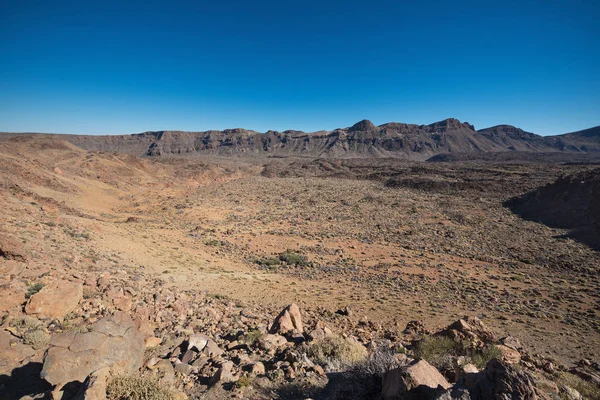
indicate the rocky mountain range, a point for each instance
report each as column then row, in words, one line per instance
column 363, row 139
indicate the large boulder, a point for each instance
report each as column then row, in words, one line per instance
column 417, row 380
column 113, row 342
column 55, row 300
column 501, row 381
column 288, row 320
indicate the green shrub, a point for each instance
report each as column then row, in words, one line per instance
column 483, row 356
column 251, row 337
column 33, row 289
column 434, row 348
column 244, row 381
column 137, row 387
column 268, row 262
column 291, row 257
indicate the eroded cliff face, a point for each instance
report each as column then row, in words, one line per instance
column 363, row 139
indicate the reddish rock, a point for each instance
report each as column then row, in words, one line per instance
column 10, row 299
column 55, row 300
column 11, row 248
column 509, row 355
column 419, row 376
column 271, row 342
column 470, row 329
column 94, row 387
column 152, row 342
column 288, row 320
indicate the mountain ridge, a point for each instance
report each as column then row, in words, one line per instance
column 363, row 139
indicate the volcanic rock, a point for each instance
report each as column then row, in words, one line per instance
column 113, row 342
column 55, row 300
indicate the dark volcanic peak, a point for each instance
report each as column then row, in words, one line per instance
column 450, row 124
column 363, row 126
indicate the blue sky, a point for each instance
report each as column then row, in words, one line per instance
column 130, row 66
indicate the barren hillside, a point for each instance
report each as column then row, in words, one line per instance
column 196, row 257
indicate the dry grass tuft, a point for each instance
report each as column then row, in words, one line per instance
column 483, row 356
column 38, row 338
column 137, row 387
column 337, row 353
column 434, row 349
column 587, row 389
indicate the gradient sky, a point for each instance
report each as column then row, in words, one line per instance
column 131, row 66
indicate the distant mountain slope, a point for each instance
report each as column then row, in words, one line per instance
column 587, row 140
column 363, row 139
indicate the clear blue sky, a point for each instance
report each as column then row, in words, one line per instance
column 130, row 66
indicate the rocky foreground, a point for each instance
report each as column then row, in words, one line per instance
column 121, row 334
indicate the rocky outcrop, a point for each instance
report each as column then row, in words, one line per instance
column 502, row 381
column 113, row 342
column 469, row 329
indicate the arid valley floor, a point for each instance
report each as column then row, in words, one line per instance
column 387, row 241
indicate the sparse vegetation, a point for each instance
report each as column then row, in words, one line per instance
column 26, row 323
column 244, row 381
column 37, row 338
column 33, row 289
column 377, row 363
column 268, row 262
column 436, row 348
column 213, row 242
column 76, row 234
column 587, row 389
column 336, row 352
column 69, row 326
column 137, row 387
column 291, row 257
column 483, row 356
column 251, row 337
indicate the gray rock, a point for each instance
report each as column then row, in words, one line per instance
column 502, row 381
column 454, row 393
column 113, row 342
